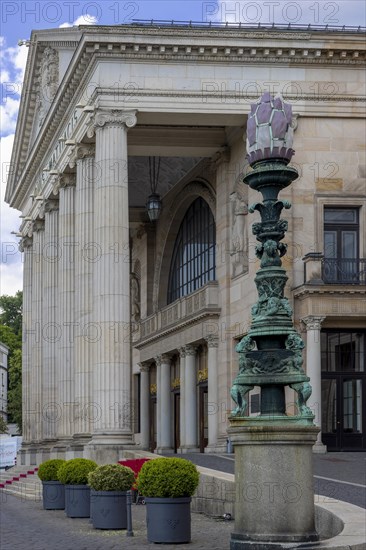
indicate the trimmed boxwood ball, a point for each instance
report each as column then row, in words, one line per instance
column 48, row 470
column 111, row 477
column 168, row 478
column 75, row 471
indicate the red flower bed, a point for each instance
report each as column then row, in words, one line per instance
column 135, row 464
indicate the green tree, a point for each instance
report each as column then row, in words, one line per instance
column 15, row 388
column 11, row 336
column 11, row 311
column 3, row 426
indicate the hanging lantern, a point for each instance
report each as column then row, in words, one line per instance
column 154, row 203
column 154, row 206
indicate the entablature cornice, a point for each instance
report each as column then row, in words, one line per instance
column 330, row 301
column 167, row 44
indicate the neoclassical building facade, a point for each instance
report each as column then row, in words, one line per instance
column 130, row 325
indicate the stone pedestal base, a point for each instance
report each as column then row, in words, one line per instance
column 274, row 484
column 319, row 448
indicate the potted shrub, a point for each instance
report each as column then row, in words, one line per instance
column 109, row 484
column 53, row 491
column 167, row 485
column 74, row 475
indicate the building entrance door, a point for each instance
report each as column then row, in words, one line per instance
column 344, row 389
column 344, row 413
column 176, row 422
column 203, row 408
column 153, row 424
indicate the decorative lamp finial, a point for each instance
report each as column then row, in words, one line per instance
column 269, row 130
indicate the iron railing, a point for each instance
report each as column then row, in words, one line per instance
column 344, row 272
column 247, row 26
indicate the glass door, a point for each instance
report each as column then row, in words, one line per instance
column 343, row 413
column 341, row 243
column 203, row 408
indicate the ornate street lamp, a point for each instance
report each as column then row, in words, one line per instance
column 154, row 204
column 273, row 451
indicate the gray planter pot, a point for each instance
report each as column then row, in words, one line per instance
column 53, row 493
column 168, row 519
column 108, row 509
column 77, row 501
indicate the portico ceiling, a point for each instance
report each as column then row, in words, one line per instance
column 172, row 169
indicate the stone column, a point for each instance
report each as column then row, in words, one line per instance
column 52, row 330
column 26, row 246
column 65, row 365
column 313, row 370
column 182, row 413
column 158, row 401
column 35, row 374
column 145, row 407
column 213, row 395
column 191, row 443
column 165, row 407
column 112, row 364
column 86, row 256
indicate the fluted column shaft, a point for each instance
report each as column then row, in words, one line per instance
column 191, row 398
column 182, row 402
column 313, row 370
column 27, row 247
column 65, row 368
column 35, row 408
column 144, row 407
column 213, row 397
column 165, row 410
column 112, row 367
column 158, row 401
column 85, row 256
column 51, row 333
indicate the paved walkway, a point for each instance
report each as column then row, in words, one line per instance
column 337, row 475
column 24, row 525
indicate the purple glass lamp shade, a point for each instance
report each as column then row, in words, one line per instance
column 269, row 130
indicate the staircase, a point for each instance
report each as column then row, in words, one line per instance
column 21, row 481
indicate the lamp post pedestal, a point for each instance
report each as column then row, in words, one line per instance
column 274, row 485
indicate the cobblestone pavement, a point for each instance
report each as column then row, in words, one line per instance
column 24, row 525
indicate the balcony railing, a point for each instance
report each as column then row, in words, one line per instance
column 344, row 272
column 200, row 303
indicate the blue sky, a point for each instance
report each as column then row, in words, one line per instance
column 18, row 18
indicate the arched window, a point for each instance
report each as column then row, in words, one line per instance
column 193, row 260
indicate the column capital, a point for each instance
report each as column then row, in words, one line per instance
column 221, row 156
column 212, row 341
column 313, row 322
column 190, row 349
column 182, row 352
column 25, row 243
column 38, row 225
column 81, row 151
column 111, row 117
column 67, row 180
column 144, row 367
column 51, row 205
column 164, row 358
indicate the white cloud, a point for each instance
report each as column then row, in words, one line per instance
column 11, row 277
column 11, row 266
column 14, row 60
column 8, row 115
column 82, row 20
